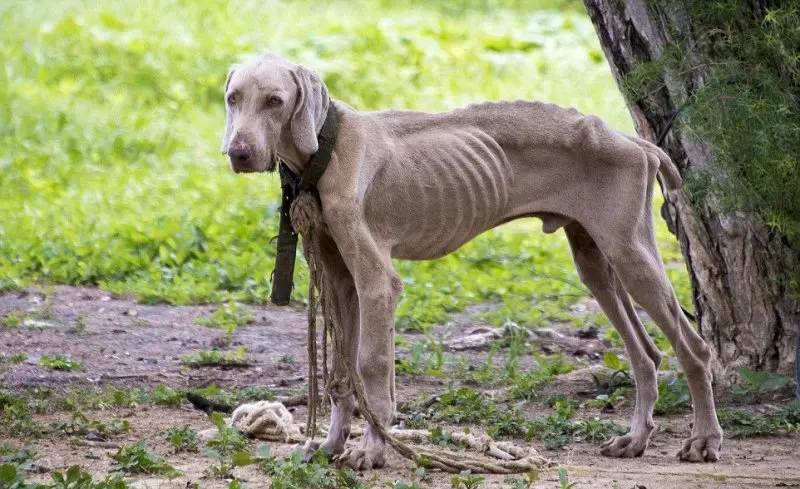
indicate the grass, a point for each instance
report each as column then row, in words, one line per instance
column 137, row 459
column 61, row 362
column 111, row 123
column 182, row 439
column 216, row 358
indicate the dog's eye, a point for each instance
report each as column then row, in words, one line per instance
column 274, row 101
column 231, row 99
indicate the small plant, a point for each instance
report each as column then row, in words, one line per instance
column 742, row 424
column 524, row 386
column 616, row 364
column 7, row 362
column 79, row 328
column 61, row 362
column 137, row 459
column 466, row 480
column 438, row 436
column 294, row 473
column 426, row 358
column 556, row 430
column 12, row 320
column 76, row 478
column 228, row 439
column 526, row 482
column 758, row 382
column 216, row 358
column 164, row 395
column 79, row 425
column 21, row 458
column 673, row 397
column 611, row 401
column 597, row 430
column 563, row 479
column 182, row 439
column 228, row 317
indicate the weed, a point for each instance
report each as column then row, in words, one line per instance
column 22, row 458
column 76, row 478
column 526, row 482
column 79, row 425
column 182, row 439
column 79, row 328
column 164, row 395
column 216, row 358
column 743, row 424
column 137, row 459
column 673, row 396
column 554, row 431
column 597, row 430
column 61, row 362
column 612, row 401
column 425, row 358
column 229, row 316
column 614, row 362
column 758, row 382
column 294, row 473
column 563, row 479
column 466, row 480
column 227, row 440
column 12, row 320
column 7, row 362
column 524, row 386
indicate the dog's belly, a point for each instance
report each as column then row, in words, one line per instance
column 439, row 196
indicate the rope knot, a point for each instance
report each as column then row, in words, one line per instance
column 306, row 213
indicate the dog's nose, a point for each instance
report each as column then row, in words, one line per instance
column 240, row 152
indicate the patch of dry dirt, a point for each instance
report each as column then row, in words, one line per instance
column 131, row 345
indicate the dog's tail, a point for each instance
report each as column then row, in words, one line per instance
column 667, row 167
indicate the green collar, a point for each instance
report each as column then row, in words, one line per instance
column 291, row 185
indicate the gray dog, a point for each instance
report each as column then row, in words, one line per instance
column 414, row 185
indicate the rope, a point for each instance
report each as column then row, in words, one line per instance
column 306, row 216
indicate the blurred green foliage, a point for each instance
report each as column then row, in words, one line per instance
column 111, row 116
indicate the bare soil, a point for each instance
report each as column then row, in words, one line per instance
column 128, row 345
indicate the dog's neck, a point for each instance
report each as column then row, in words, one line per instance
column 287, row 151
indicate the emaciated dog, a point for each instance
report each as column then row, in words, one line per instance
column 413, row 185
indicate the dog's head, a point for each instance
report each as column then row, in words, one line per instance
column 274, row 108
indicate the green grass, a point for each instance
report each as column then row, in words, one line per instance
column 61, row 362
column 137, row 459
column 210, row 358
column 111, row 116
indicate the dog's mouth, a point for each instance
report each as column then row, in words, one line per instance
column 247, row 167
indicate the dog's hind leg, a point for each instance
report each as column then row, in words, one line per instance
column 601, row 279
column 638, row 265
column 344, row 302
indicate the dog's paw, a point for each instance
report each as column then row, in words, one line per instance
column 625, row 446
column 360, row 459
column 700, row 448
column 312, row 446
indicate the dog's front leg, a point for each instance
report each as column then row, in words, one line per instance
column 378, row 287
column 344, row 303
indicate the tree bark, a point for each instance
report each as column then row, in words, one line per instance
column 735, row 262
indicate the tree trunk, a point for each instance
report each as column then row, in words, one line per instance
column 743, row 308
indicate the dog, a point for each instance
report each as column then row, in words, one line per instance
column 414, row 185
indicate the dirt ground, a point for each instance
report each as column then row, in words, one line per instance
column 132, row 345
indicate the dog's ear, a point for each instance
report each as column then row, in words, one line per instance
column 226, row 139
column 309, row 110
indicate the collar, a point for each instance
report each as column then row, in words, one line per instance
column 326, row 140
column 318, row 162
column 291, row 186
